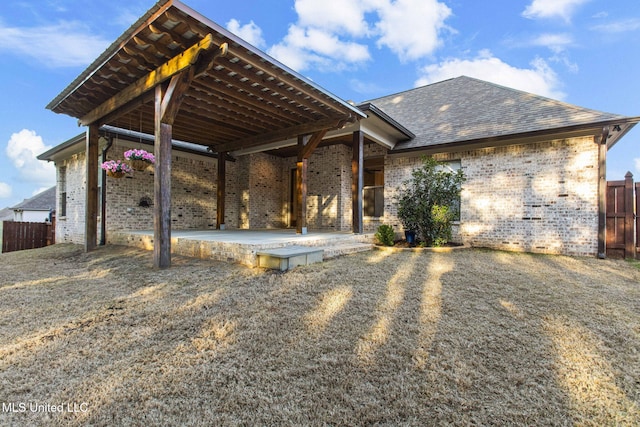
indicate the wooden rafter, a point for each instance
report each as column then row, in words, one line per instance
column 281, row 134
column 151, row 80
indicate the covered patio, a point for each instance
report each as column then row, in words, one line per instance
column 179, row 76
column 242, row 246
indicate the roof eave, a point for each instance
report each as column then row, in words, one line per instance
column 626, row 123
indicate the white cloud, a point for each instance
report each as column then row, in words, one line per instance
column 22, row 149
column 303, row 47
column 411, row 28
column 332, row 34
column 563, row 9
column 5, row 190
column 334, row 15
column 250, row 32
column 75, row 45
column 623, row 26
column 555, row 42
column 540, row 79
column 636, row 161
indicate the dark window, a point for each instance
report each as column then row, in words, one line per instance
column 373, row 191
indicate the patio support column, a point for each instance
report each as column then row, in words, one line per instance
column 602, row 192
column 357, row 181
column 162, row 187
column 221, row 189
column 301, row 186
column 91, row 203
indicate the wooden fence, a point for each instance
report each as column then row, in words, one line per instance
column 623, row 227
column 17, row 236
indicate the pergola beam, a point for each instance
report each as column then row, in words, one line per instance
column 144, row 84
column 282, row 134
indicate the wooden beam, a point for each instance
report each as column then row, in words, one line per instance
column 162, row 188
column 282, row 134
column 167, row 70
column 301, row 189
column 602, row 192
column 174, row 95
column 357, row 181
column 91, row 203
column 221, row 190
column 308, row 147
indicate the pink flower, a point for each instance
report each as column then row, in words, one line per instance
column 139, row 155
column 116, row 166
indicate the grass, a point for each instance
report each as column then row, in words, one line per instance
column 470, row 337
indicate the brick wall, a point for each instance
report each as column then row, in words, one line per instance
column 536, row 198
column 193, row 193
column 70, row 228
column 328, row 188
column 260, row 188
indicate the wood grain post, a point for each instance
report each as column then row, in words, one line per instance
column 91, row 202
column 357, row 181
column 602, row 193
column 162, row 187
column 629, row 241
column 221, row 190
column 301, row 189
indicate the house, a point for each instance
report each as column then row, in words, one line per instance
column 270, row 149
column 38, row 208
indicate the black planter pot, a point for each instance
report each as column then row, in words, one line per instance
column 410, row 236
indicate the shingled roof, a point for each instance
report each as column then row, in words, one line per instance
column 42, row 201
column 466, row 112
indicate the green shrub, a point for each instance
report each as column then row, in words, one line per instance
column 386, row 235
column 429, row 201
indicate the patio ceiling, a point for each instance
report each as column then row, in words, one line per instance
column 240, row 99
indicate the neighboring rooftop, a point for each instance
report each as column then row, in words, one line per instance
column 43, row 201
column 465, row 110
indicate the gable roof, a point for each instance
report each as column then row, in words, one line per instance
column 42, row 201
column 464, row 112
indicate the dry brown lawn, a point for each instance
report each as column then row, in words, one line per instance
column 472, row 337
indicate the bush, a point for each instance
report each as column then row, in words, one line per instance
column 429, row 201
column 386, row 235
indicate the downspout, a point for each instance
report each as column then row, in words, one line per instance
column 602, row 192
column 103, row 210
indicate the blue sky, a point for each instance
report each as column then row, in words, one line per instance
column 585, row 52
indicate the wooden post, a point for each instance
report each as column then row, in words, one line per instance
column 602, row 193
column 357, row 181
column 221, row 190
column 637, row 224
column 301, row 188
column 162, row 187
column 629, row 241
column 91, row 203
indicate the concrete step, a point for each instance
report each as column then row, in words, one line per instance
column 345, row 249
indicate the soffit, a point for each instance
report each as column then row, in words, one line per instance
column 246, row 99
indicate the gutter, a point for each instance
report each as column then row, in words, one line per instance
column 103, row 212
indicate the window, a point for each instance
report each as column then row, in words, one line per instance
column 454, row 166
column 373, row 190
column 62, row 189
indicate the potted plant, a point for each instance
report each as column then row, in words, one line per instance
column 116, row 168
column 139, row 159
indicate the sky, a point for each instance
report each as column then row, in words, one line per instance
column 584, row 52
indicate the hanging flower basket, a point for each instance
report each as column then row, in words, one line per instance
column 115, row 174
column 116, row 168
column 139, row 159
column 139, row 165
